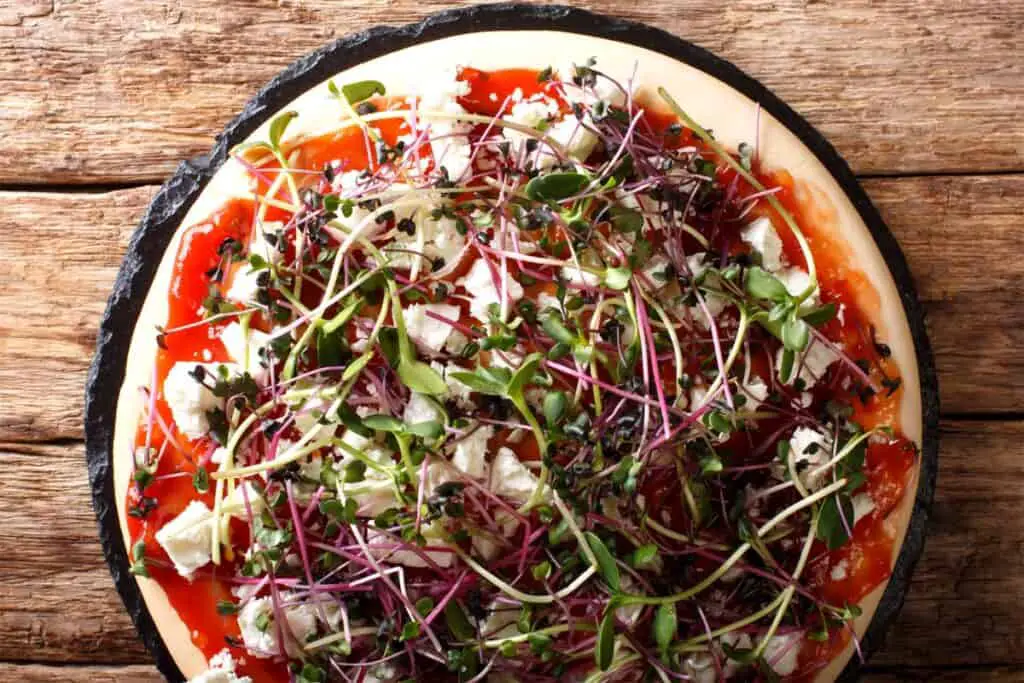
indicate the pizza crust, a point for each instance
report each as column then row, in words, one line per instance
column 734, row 119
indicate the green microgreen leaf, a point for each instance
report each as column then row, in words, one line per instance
column 795, row 334
column 831, row 529
column 457, row 621
column 820, row 314
column 644, row 556
column 760, row 284
column 626, row 220
column 555, row 405
column 605, row 560
column 201, row 480
column 431, row 429
column 556, row 186
column 361, row 90
column 617, row 278
column 421, row 378
column 278, row 126
column 384, row 423
column 666, row 625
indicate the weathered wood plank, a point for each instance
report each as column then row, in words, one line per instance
column 41, row 673
column 59, row 254
column 962, row 609
column 57, row 600
column 115, row 90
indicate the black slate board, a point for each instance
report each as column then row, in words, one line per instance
column 172, row 202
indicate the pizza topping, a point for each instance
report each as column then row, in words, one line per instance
column 548, row 391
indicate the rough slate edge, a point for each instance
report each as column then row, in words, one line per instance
column 169, row 206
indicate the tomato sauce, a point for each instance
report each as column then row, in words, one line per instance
column 203, row 259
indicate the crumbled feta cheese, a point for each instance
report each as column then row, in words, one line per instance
column 796, row 280
column 782, row 653
column 762, row 238
column 190, row 400
column 863, row 505
column 187, row 538
column 222, row 670
column 483, row 292
column 420, row 408
column 456, row 389
column 245, row 285
column 426, row 331
column 501, row 621
column 579, row 141
column 810, row 449
column 433, row 534
column 578, row 276
column 696, row 263
column 456, row 342
column 471, row 452
column 813, row 362
column 510, row 478
column 756, row 391
column 657, row 269
column 839, row 572
column 442, row 239
column 533, row 113
column 259, row 632
column 235, row 503
column 700, row 668
column 244, row 347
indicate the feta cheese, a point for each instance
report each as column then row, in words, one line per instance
column 796, row 280
column 442, row 239
column 813, row 362
column 190, row 400
column 756, row 391
column 578, row 276
column 579, row 141
column 510, row 478
column 426, row 331
column 863, row 505
column 762, row 238
column 839, row 572
column 533, row 113
column 244, row 285
column 700, row 668
column 657, row 269
column 501, row 621
column 471, row 452
column 483, row 292
column 696, row 263
column 456, row 342
column 222, row 670
column 456, row 389
column 187, row 538
column 782, row 652
column 244, row 347
column 433, row 534
column 810, row 449
column 259, row 632
column 420, row 408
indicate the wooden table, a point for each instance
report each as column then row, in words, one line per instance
column 100, row 99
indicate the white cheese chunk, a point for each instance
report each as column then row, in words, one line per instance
column 244, row 347
column 471, row 452
column 376, row 492
column 426, row 331
column 812, row 362
column 656, row 270
column 578, row 276
column 222, row 670
column 863, row 505
column 501, row 621
column 420, row 408
column 187, row 538
column 510, row 478
column 755, row 391
column 433, row 534
column 700, row 668
column 575, row 135
column 782, row 653
column 810, row 449
column 259, row 632
column 796, row 280
column 190, row 400
column 483, row 290
column 533, row 113
column 762, row 238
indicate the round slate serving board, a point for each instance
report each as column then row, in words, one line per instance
column 169, row 207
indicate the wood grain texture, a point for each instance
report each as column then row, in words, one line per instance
column 967, row 587
column 42, row 673
column 121, row 90
column 57, row 600
column 952, row 229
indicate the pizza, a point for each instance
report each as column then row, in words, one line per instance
column 514, row 374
